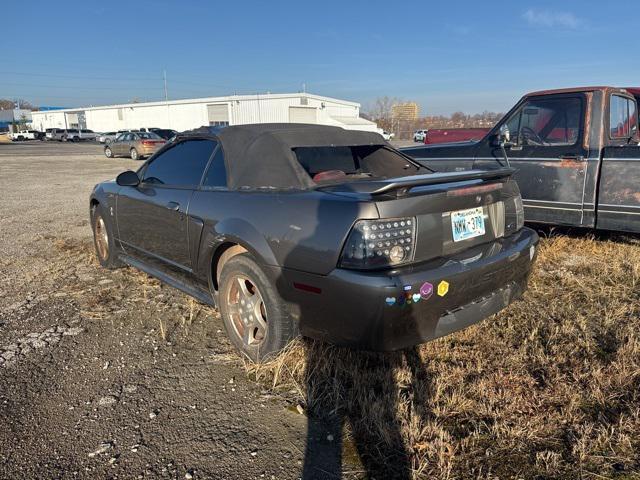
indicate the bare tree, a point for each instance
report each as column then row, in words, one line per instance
column 6, row 104
column 380, row 111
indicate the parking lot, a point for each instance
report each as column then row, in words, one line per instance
column 111, row 374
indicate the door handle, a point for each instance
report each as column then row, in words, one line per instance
column 572, row 156
column 173, row 206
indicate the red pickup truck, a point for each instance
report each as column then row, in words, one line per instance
column 576, row 152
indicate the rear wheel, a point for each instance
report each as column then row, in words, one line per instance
column 255, row 317
column 134, row 154
column 103, row 239
column 108, row 152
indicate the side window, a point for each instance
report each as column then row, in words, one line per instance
column 217, row 172
column 547, row 122
column 183, row 164
column 623, row 117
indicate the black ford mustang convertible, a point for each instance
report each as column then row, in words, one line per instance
column 303, row 229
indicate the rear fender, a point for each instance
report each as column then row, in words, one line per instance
column 236, row 231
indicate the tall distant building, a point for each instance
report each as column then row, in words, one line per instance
column 405, row 111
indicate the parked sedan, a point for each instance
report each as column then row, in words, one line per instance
column 136, row 145
column 305, row 229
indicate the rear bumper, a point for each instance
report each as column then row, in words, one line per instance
column 395, row 309
column 150, row 150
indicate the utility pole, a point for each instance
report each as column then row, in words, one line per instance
column 164, row 76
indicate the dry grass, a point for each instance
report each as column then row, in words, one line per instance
column 548, row 388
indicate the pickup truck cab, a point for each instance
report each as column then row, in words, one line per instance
column 576, row 153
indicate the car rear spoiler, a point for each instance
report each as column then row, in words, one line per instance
column 402, row 185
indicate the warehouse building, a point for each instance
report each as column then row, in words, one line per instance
column 183, row 115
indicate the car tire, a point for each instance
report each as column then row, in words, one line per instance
column 133, row 153
column 103, row 239
column 255, row 318
column 108, row 152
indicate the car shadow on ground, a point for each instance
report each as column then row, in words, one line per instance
column 362, row 394
column 360, row 390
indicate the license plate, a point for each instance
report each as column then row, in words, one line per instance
column 467, row 224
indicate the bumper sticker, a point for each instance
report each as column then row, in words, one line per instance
column 443, row 288
column 426, row 290
column 415, row 297
column 407, row 288
column 390, row 301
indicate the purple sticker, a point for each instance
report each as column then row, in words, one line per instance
column 426, row 290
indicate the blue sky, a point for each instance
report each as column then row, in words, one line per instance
column 463, row 55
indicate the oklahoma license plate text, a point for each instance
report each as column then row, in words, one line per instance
column 467, row 223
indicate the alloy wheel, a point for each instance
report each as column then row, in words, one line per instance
column 102, row 237
column 247, row 310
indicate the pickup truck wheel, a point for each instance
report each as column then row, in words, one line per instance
column 134, row 154
column 254, row 316
column 108, row 152
column 103, row 239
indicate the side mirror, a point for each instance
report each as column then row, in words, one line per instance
column 128, row 179
column 504, row 135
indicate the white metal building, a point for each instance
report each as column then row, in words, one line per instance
column 183, row 115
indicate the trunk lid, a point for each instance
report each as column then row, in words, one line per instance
column 443, row 204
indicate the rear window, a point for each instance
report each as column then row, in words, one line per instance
column 623, row 117
column 331, row 164
column 72, row 130
column 149, row 136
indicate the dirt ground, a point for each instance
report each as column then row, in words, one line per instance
column 114, row 375
column 109, row 374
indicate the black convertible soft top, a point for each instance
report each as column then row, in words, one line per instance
column 261, row 155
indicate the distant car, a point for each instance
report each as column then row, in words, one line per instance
column 107, row 137
column 51, row 133
column 420, row 135
column 87, row 134
column 317, row 230
column 387, row 135
column 63, row 135
column 165, row 133
column 136, row 145
column 26, row 135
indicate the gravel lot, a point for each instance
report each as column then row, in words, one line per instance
column 110, row 374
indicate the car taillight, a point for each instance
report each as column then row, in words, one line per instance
column 380, row 243
column 514, row 214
